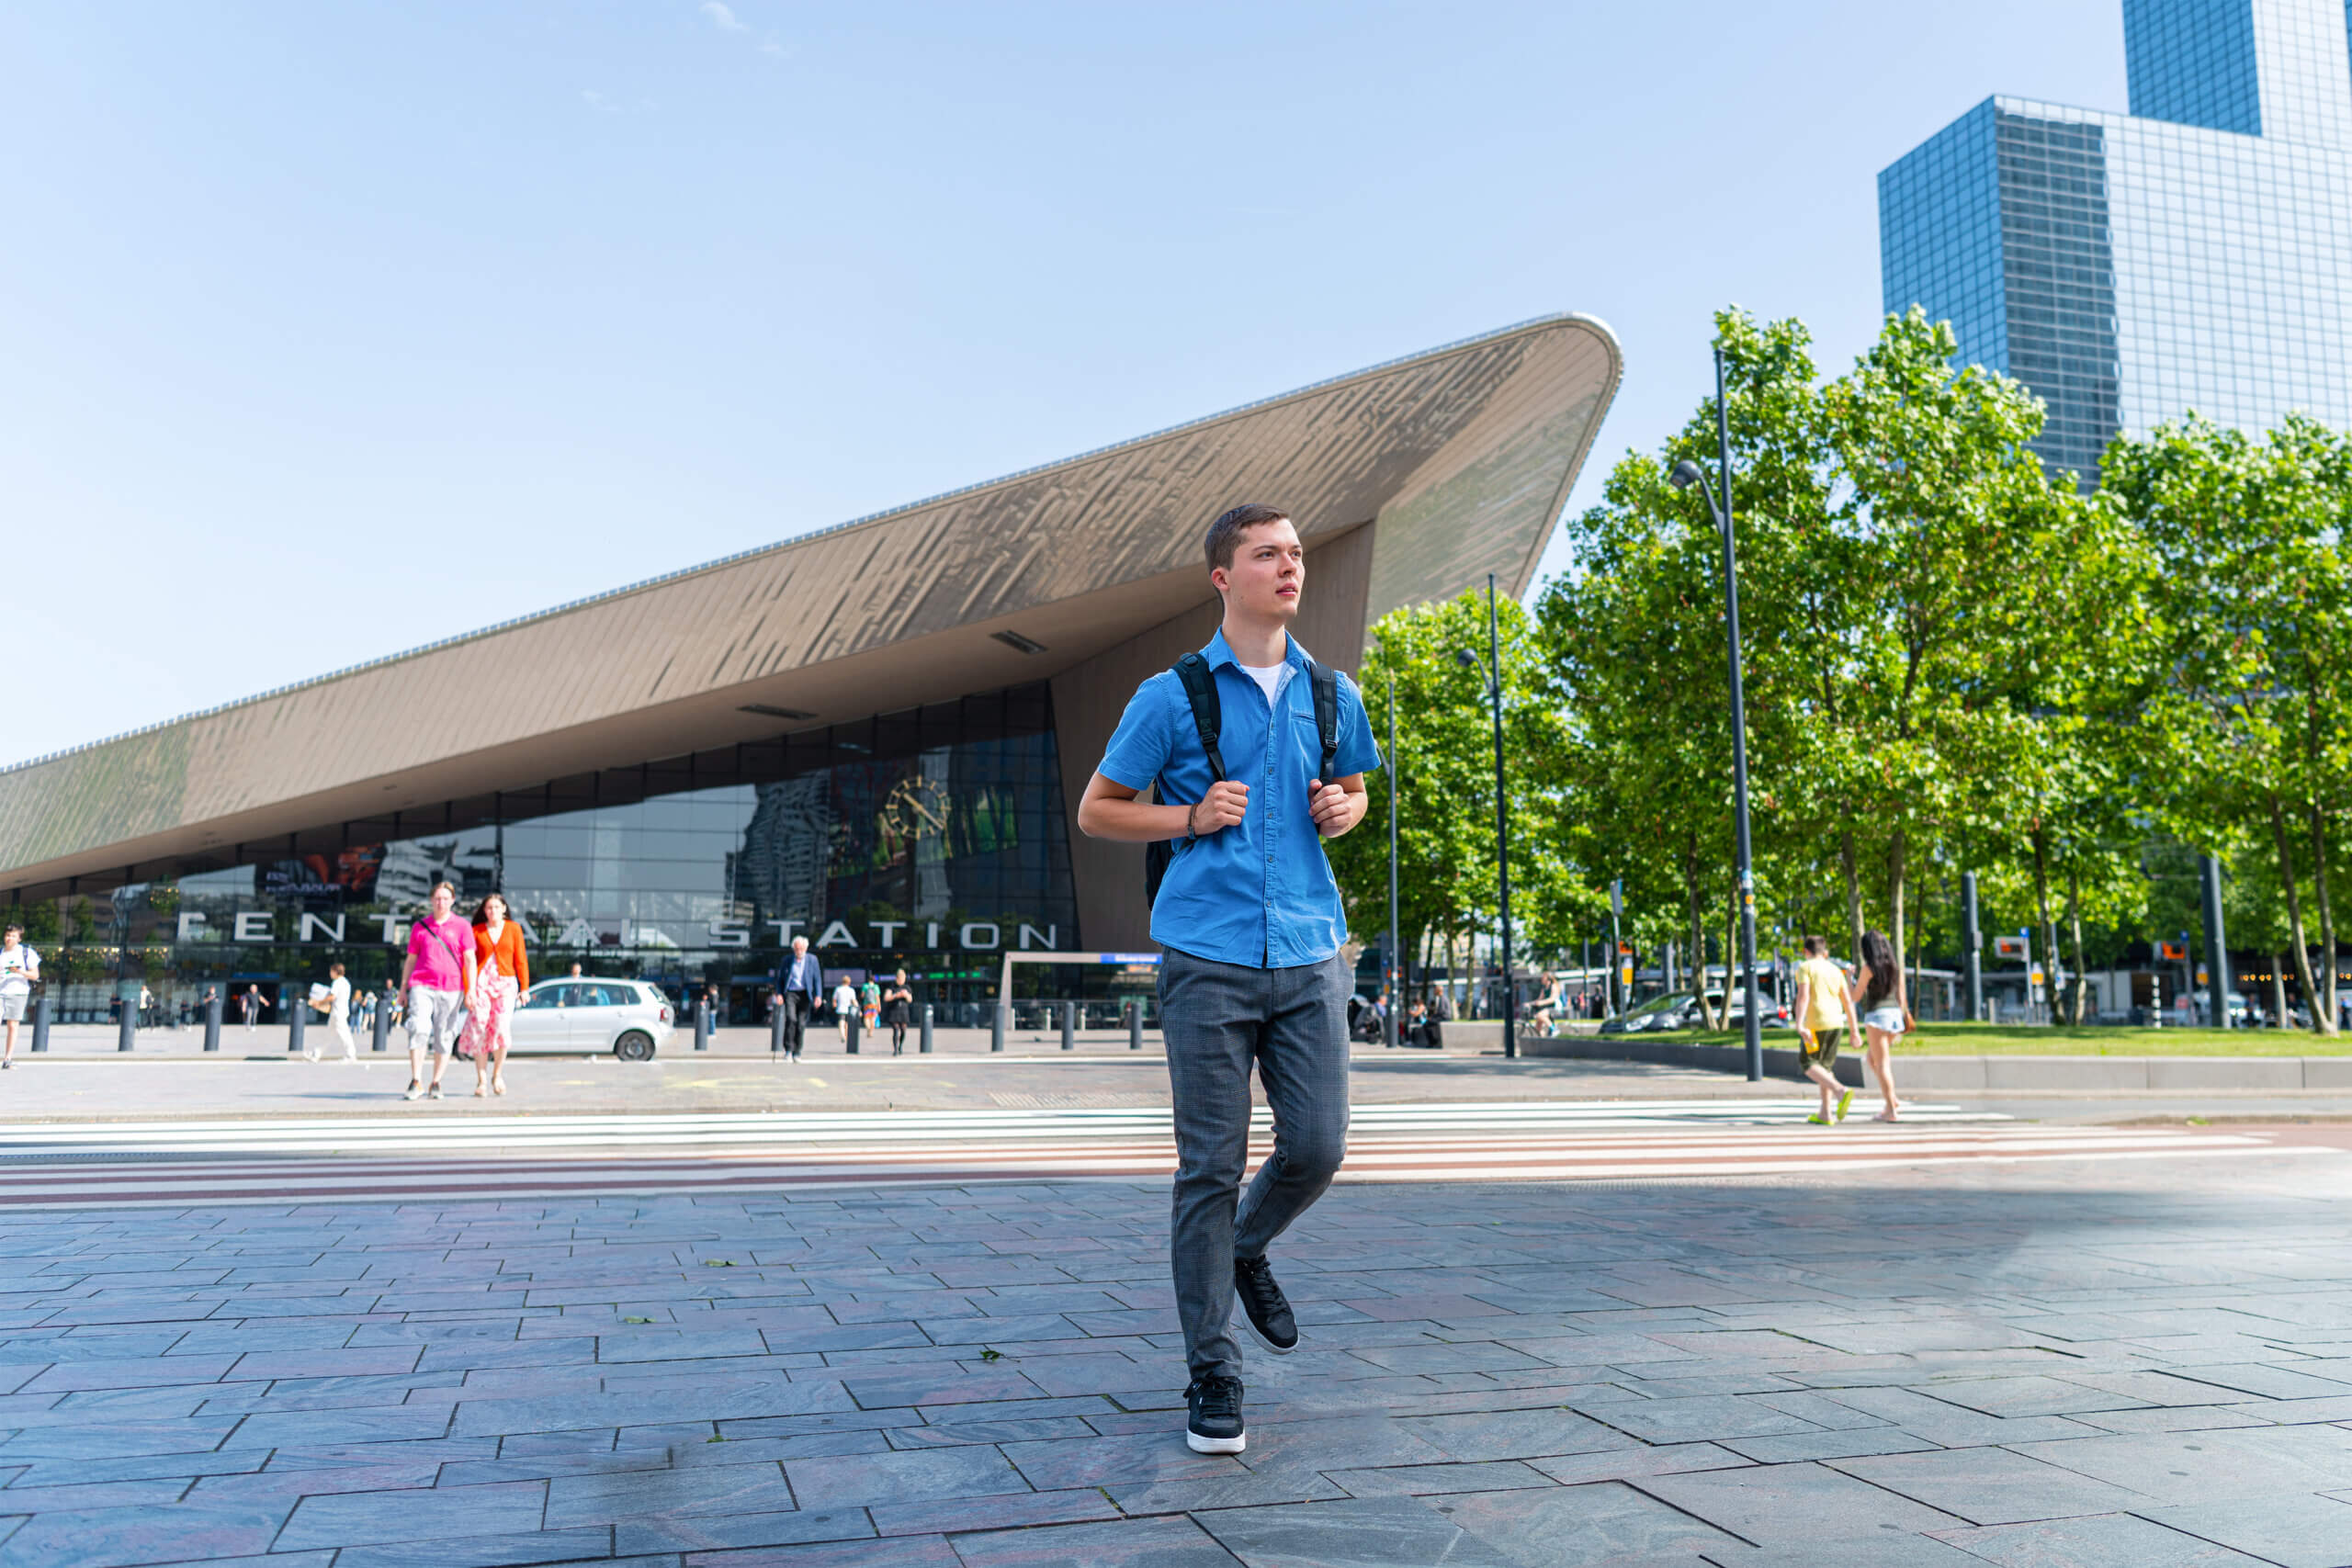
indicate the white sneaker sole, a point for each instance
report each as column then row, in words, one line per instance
column 1242, row 1317
column 1201, row 1445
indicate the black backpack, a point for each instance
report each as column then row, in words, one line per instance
column 1200, row 692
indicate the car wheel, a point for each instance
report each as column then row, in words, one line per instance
column 634, row 1046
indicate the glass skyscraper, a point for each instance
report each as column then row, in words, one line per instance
column 2193, row 255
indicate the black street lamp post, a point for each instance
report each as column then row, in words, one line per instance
column 1686, row 474
column 1502, row 811
column 2217, row 944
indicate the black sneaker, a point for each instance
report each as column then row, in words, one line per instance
column 1214, row 1425
column 1263, row 1305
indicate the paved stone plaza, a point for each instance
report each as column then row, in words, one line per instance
column 2141, row 1362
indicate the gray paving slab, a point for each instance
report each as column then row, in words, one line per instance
column 2103, row 1540
column 1572, row 1526
column 902, row 1552
column 1990, row 1485
column 1356, row 1533
column 482, row 1551
column 1780, row 1503
column 1704, row 1418
column 2207, row 1466
column 1169, row 1541
column 1906, row 1551
column 735, row 1531
column 1077, row 1505
column 2292, row 1532
column 1515, row 1434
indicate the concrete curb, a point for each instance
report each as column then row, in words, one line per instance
column 1990, row 1074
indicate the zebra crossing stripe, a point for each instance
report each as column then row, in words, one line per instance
column 195, row 1175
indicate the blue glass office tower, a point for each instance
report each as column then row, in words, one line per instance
column 2194, row 253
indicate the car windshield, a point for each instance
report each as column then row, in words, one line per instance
column 1661, row 1004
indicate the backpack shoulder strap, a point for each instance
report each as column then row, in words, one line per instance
column 1208, row 718
column 1327, row 714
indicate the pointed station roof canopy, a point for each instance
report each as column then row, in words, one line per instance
column 1459, row 459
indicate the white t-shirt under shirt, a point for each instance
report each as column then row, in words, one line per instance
column 19, row 967
column 1270, row 679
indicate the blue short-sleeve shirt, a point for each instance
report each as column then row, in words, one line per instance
column 1258, row 893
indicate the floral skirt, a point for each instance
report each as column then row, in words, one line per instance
column 490, row 1014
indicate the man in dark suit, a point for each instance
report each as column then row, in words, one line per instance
column 800, row 981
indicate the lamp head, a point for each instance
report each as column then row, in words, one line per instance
column 1686, row 474
column 1464, row 657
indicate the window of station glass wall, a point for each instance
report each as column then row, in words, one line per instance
column 929, row 840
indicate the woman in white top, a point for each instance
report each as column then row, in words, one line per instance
column 844, row 1007
column 1886, row 1015
column 19, row 967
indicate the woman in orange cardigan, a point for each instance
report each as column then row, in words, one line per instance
column 501, row 974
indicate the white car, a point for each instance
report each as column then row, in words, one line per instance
column 629, row 1018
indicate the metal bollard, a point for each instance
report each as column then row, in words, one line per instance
column 996, row 1027
column 702, row 1024
column 212, row 1021
column 1069, row 1026
column 775, row 1028
column 382, row 1032
column 924, row 1049
column 40, row 1024
column 127, row 1035
column 1135, row 1026
column 296, row 1024
column 855, row 1018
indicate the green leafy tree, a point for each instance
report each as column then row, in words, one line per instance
column 1938, row 635
column 1635, row 638
column 1446, row 780
column 2248, row 720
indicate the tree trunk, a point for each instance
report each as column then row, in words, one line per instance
column 1918, row 950
column 2321, row 1023
column 1707, row 1014
column 2326, row 920
column 1731, row 954
column 2278, row 987
column 1895, row 890
column 2049, row 942
column 2075, row 1008
column 1402, row 1002
column 1853, row 895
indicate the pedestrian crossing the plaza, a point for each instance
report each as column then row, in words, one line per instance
column 429, row 1158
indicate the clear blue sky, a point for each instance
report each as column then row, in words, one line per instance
column 326, row 331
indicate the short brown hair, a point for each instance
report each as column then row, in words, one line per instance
column 1816, row 947
column 1225, row 533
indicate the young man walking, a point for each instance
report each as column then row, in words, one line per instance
column 1249, row 920
column 1825, row 1013
column 437, row 979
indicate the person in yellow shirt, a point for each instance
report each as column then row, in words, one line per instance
column 1825, row 1021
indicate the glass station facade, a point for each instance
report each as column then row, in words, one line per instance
column 932, row 839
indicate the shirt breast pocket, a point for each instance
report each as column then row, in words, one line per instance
column 1308, row 739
